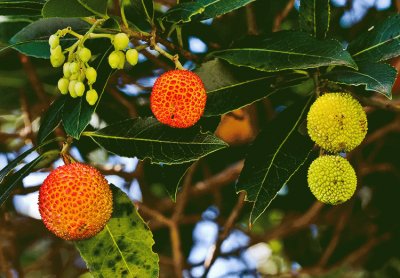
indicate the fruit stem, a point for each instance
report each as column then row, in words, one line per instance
column 316, row 84
column 173, row 58
column 64, row 151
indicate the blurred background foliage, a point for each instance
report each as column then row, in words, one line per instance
column 297, row 236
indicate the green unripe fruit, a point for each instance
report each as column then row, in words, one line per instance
column 63, row 85
column 114, row 60
column 54, row 41
column 121, row 41
column 56, row 51
column 91, row 75
column 79, row 88
column 337, row 122
column 132, row 56
column 84, row 54
column 66, row 71
column 71, row 88
column 74, row 67
column 331, row 179
column 91, row 96
column 57, row 60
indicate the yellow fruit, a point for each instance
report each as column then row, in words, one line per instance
column 79, row 88
column 57, row 59
column 54, row 41
column 121, row 41
column 91, row 75
column 71, row 88
column 84, row 54
column 75, row 201
column 63, row 85
column 331, row 179
column 337, row 122
column 132, row 56
column 91, row 96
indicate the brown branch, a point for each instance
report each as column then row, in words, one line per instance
column 33, row 78
column 335, row 239
column 154, row 214
column 216, row 248
column 122, row 100
column 282, row 15
column 252, row 28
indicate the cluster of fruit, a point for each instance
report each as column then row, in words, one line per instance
column 116, row 59
column 337, row 123
column 77, row 71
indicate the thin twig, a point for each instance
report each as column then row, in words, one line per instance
column 216, row 248
column 282, row 15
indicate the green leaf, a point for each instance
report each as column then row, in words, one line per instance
column 62, row 8
column 172, row 176
column 98, row 7
column 7, row 187
column 380, row 43
column 21, row 7
column 11, row 166
column 9, row 28
column 202, row 9
column 33, row 39
column 124, row 247
column 375, row 76
column 228, row 90
column 137, row 10
column 77, row 112
column 148, row 138
column 275, row 156
column 289, row 50
column 51, row 119
column 314, row 17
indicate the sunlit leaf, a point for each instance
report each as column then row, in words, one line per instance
column 124, row 247
column 148, row 138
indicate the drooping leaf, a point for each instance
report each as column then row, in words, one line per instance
column 33, row 39
column 202, row 9
column 139, row 12
column 77, row 112
column 62, row 8
column 7, row 187
column 148, row 138
column 289, row 50
column 229, row 89
column 275, row 156
column 375, row 76
column 172, row 176
column 380, row 43
column 124, row 247
column 314, row 17
column 51, row 119
column 98, row 7
column 11, row 166
column 21, row 7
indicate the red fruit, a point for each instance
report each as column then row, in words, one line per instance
column 178, row 98
column 75, row 201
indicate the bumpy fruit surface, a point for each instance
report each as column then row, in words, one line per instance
column 331, row 179
column 75, row 201
column 337, row 122
column 178, row 98
column 121, row 41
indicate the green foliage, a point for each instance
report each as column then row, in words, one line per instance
column 379, row 44
column 289, row 50
column 374, row 76
column 148, row 138
column 33, row 39
column 314, row 17
column 286, row 67
column 123, row 248
column 201, row 9
column 271, row 161
column 23, row 7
